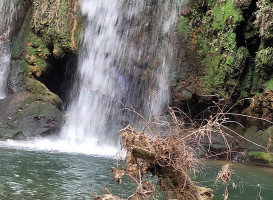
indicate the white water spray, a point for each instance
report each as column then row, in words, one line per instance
column 125, row 60
column 7, row 8
column 106, row 79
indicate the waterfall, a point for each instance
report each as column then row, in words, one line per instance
column 7, row 8
column 127, row 52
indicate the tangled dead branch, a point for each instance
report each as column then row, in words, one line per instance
column 170, row 159
column 168, row 152
column 224, row 174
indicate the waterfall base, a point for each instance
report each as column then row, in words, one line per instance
column 54, row 144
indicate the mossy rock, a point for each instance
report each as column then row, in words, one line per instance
column 57, row 24
column 260, row 137
column 49, row 30
column 38, row 109
column 39, row 89
column 38, row 119
column 15, row 134
column 264, row 58
column 261, row 158
column 24, row 115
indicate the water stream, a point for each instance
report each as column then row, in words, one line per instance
column 7, row 14
column 116, row 53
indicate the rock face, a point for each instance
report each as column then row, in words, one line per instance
column 49, row 33
column 262, row 137
column 228, row 55
column 24, row 115
column 46, row 35
column 232, row 60
column 233, row 42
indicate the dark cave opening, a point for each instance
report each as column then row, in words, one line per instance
column 60, row 77
column 246, row 35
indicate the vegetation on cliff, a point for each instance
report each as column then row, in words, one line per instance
column 233, row 40
column 50, row 32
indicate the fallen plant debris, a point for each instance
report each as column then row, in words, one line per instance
column 108, row 196
column 224, row 174
column 170, row 153
column 169, row 159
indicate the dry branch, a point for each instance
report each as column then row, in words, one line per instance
column 168, row 158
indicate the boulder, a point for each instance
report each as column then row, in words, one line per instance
column 261, row 137
column 24, row 116
column 260, row 158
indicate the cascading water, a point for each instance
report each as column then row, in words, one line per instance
column 89, row 111
column 119, row 47
column 124, row 64
column 7, row 8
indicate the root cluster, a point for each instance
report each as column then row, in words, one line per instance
column 170, row 159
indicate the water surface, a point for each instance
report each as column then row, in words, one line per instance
column 34, row 174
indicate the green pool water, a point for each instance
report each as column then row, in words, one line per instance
column 250, row 181
column 29, row 174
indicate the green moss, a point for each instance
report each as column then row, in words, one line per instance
column 55, row 30
column 242, row 53
column 183, row 27
column 19, row 44
column 229, row 60
column 264, row 58
column 36, row 54
column 230, row 12
column 261, row 156
column 29, row 48
column 63, row 8
column 24, row 65
column 42, row 92
column 246, row 84
column 269, row 84
column 218, row 22
column 223, row 12
column 218, row 47
column 215, row 75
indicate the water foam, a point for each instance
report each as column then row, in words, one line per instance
column 7, row 14
column 55, row 145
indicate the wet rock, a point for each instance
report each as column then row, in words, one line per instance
column 260, row 137
column 10, row 105
column 16, row 77
column 15, row 134
column 24, row 116
column 185, row 95
column 260, row 158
